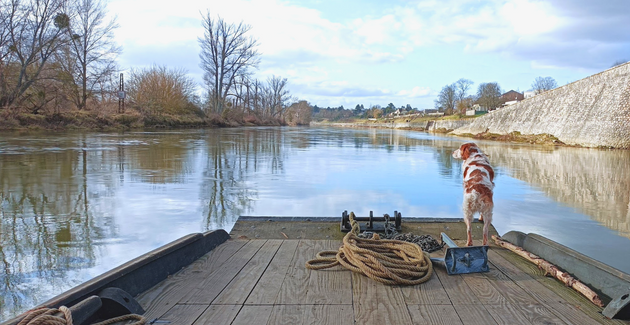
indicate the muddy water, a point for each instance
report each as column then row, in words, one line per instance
column 74, row 205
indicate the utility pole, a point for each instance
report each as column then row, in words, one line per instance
column 121, row 95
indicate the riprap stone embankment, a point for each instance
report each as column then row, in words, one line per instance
column 592, row 112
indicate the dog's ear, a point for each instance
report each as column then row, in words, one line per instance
column 465, row 150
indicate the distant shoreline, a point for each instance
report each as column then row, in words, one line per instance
column 434, row 127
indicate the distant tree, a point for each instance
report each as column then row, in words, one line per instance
column 32, row 31
column 277, row 96
column 91, row 48
column 358, row 110
column 542, row 84
column 618, row 62
column 461, row 88
column 226, row 52
column 375, row 111
column 298, row 113
column 162, row 90
column 408, row 107
column 489, row 95
column 446, row 99
column 389, row 108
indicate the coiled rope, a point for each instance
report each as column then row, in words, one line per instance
column 46, row 316
column 392, row 262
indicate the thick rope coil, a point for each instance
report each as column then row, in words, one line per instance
column 387, row 261
column 46, row 316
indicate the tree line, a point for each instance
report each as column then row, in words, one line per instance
column 60, row 55
column 455, row 98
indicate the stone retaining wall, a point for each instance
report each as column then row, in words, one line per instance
column 592, row 112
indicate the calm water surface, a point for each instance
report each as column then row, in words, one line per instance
column 74, row 205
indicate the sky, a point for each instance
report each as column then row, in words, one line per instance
column 376, row 52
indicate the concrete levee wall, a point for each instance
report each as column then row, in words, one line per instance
column 592, row 112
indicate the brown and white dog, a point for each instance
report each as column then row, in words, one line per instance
column 478, row 186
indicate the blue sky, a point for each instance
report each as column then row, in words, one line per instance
column 350, row 52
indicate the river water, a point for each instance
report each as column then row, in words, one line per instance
column 74, row 205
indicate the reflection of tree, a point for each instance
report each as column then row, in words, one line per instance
column 162, row 160
column 46, row 226
column 232, row 157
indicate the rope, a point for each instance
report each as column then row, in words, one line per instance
column 387, row 261
column 46, row 316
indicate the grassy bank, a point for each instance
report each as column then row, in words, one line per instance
column 517, row 137
column 12, row 120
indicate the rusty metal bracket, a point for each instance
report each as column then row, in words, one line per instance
column 371, row 222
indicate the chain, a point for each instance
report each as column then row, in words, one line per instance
column 426, row 242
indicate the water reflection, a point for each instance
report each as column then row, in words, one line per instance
column 594, row 181
column 74, row 205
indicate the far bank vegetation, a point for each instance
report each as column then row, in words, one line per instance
column 59, row 69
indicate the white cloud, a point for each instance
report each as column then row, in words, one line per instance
column 317, row 53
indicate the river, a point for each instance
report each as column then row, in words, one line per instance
column 74, row 205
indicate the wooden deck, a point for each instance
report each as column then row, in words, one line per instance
column 264, row 281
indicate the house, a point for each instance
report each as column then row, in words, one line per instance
column 529, row 94
column 512, row 96
column 476, row 110
column 433, row 112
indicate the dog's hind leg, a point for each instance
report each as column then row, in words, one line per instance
column 487, row 219
column 468, row 218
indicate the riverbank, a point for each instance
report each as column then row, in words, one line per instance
column 10, row 120
column 447, row 126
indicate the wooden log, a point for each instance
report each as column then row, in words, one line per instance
column 552, row 270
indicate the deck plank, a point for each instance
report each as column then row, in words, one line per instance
column 428, row 293
column 327, row 315
column 205, row 291
column 293, row 289
column 329, row 286
column 457, row 289
column 286, row 314
column 237, row 291
column 157, row 300
column 218, row 314
column 539, row 314
column 507, row 314
column 509, row 289
column 182, row 314
column 434, row 315
column 485, row 292
column 474, row 315
column 268, row 287
column 376, row 303
column 250, row 315
column 545, row 288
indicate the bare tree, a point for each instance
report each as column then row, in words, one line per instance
column 618, row 62
column 226, row 52
column 542, row 84
column 276, row 96
column 91, row 48
column 447, row 98
column 461, row 88
column 35, row 31
column 5, row 51
column 489, row 95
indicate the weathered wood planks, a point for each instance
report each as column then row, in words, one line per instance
column 265, row 282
